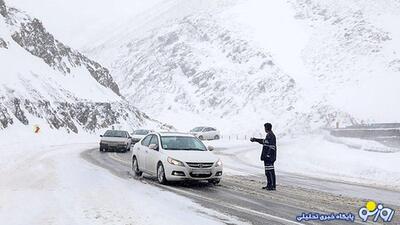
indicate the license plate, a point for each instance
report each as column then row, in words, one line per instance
column 201, row 172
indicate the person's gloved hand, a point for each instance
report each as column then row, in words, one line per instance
column 252, row 139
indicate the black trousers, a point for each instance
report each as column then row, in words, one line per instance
column 270, row 173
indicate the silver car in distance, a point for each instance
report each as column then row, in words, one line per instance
column 206, row 133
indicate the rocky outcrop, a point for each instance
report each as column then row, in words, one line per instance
column 5, row 117
column 3, row 8
column 3, row 43
column 33, row 92
column 89, row 116
column 33, row 37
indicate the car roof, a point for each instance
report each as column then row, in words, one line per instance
column 118, row 130
column 164, row 134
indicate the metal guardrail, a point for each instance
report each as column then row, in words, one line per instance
column 241, row 137
column 387, row 134
column 365, row 133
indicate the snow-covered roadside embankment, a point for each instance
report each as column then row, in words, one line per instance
column 317, row 157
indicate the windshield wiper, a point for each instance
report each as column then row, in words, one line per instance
column 195, row 149
column 182, row 149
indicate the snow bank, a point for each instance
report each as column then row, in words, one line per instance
column 315, row 156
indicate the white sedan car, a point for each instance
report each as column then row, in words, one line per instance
column 206, row 133
column 175, row 157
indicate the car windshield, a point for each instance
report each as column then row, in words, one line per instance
column 182, row 143
column 197, row 129
column 141, row 132
column 115, row 133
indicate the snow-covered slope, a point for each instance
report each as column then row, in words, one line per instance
column 78, row 23
column 196, row 59
column 235, row 64
column 45, row 82
column 354, row 54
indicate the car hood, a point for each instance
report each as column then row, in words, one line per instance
column 192, row 156
column 114, row 139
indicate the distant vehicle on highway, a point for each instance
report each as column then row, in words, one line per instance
column 206, row 133
column 175, row 157
column 115, row 140
column 137, row 135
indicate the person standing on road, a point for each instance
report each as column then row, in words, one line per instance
column 268, row 155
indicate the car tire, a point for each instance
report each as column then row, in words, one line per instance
column 214, row 181
column 161, row 174
column 216, row 137
column 135, row 167
column 201, row 137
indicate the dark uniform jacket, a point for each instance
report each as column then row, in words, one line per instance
column 268, row 153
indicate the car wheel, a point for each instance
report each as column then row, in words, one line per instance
column 201, row 137
column 216, row 137
column 161, row 174
column 214, row 181
column 135, row 167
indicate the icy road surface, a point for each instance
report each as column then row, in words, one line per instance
column 241, row 195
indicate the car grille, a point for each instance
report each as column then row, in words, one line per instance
column 113, row 143
column 199, row 165
column 200, row 175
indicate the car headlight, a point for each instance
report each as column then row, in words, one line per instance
column 175, row 162
column 218, row 163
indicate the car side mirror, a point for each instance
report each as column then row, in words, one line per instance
column 154, row 147
column 101, row 135
column 210, row 148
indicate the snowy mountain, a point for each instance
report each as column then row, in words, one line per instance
column 353, row 54
column 227, row 63
column 45, row 82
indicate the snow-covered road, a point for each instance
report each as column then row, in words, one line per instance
column 54, row 185
column 45, row 180
column 241, row 196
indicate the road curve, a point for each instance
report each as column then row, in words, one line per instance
column 242, row 197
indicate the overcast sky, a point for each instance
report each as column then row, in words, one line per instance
column 77, row 22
